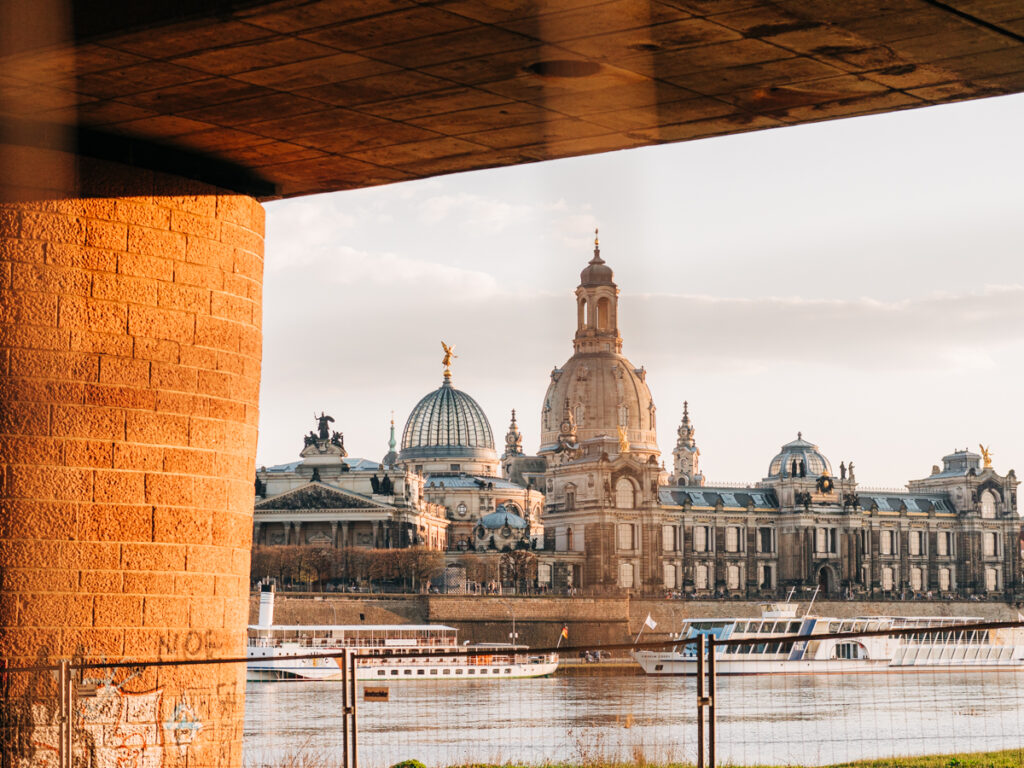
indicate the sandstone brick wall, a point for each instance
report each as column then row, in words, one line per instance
column 130, row 347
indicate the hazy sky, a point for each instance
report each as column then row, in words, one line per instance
column 859, row 280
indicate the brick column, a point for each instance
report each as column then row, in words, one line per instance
column 130, row 352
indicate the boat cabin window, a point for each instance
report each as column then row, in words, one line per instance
column 849, row 651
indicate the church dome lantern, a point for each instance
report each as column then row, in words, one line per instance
column 799, row 458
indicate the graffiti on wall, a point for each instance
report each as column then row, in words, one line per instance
column 113, row 727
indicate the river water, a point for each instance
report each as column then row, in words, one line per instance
column 780, row 720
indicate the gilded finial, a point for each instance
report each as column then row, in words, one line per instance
column 986, row 455
column 596, row 243
column 449, row 353
column 623, row 440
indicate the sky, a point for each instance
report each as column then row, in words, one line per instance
column 858, row 280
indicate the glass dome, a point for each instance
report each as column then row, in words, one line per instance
column 800, row 456
column 447, row 423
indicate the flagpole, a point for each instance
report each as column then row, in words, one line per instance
column 637, row 640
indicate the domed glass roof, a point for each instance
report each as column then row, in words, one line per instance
column 814, row 461
column 502, row 517
column 447, row 423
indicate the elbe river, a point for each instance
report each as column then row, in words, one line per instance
column 772, row 719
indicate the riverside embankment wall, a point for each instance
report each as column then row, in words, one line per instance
column 590, row 620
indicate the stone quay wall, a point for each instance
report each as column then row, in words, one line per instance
column 539, row 620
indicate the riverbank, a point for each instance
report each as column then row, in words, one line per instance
column 1013, row 758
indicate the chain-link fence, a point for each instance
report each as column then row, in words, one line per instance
column 775, row 699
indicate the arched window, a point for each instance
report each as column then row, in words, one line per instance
column 578, row 413
column 582, row 315
column 944, row 580
column 700, row 577
column 988, row 504
column 624, row 494
column 603, row 311
column 732, row 577
column 568, row 539
column 623, row 416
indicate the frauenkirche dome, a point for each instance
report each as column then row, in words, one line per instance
column 598, row 393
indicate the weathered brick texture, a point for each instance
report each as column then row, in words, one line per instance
column 129, row 375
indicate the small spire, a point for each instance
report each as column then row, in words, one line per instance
column 391, row 441
column 597, row 250
column 686, row 411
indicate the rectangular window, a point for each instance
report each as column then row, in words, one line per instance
column 700, row 538
column 820, row 543
column 626, row 539
column 764, row 540
column 944, row 581
column 577, row 541
column 764, row 576
column 669, row 577
column 991, row 580
column 942, row 543
column 732, row 539
column 885, row 543
column 988, row 544
column 887, row 579
column 543, row 573
column 915, row 542
column 669, row 538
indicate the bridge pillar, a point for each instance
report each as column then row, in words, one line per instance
column 130, row 347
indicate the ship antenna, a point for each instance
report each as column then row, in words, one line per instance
column 812, row 600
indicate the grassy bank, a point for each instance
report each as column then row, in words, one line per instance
column 1011, row 758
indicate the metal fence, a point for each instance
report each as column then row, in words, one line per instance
column 78, row 715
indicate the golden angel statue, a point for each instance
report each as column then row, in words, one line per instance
column 449, row 353
column 623, row 440
column 986, row 455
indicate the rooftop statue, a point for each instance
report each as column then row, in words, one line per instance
column 322, row 421
column 449, row 353
column 986, row 455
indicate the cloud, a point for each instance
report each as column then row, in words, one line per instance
column 476, row 211
column 932, row 332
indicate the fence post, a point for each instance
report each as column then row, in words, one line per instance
column 701, row 700
column 345, row 708
column 65, row 717
column 355, row 709
column 712, row 691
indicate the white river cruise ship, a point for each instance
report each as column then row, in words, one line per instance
column 943, row 643
column 396, row 651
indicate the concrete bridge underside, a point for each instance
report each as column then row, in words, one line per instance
column 136, row 140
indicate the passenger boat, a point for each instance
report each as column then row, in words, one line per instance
column 395, row 651
column 941, row 644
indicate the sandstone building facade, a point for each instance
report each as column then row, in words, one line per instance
column 605, row 516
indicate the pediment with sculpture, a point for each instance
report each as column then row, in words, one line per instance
column 318, row 496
